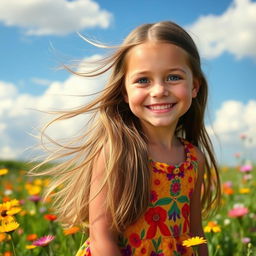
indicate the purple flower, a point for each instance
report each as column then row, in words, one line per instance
column 157, row 170
column 181, row 249
column 126, row 251
column 170, row 176
column 44, row 240
column 22, row 201
column 42, row 209
column 156, row 254
column 34, row 198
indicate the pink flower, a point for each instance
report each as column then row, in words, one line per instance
column 44, row 240
column 246, row 240
column 238, row 211
column 242, row 136
column 34, row 198
column 246, row 168
column 228, row 184
column 237, row 155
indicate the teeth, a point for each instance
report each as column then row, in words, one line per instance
column 161, row 107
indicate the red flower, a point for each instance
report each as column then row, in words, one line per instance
column 135, row 240
column 50, row 217
column 185, row 213
column 175, row 187
column 176, row 230
column 155, row 217
column 143, row 250
column 153, row 196
column 157, row 182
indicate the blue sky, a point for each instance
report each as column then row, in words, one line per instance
column 36, row 35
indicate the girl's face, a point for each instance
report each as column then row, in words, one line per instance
column 159, row 83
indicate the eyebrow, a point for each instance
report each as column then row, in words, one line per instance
column 143, row 72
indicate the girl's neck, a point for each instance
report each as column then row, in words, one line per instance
column 163, row 137
column 163, row 145
column 172, row 155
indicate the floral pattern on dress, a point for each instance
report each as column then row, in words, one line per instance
column 165, row 224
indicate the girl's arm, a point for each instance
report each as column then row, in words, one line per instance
column 102, row 240
column 196, row 228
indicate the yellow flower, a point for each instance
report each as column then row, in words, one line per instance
column 3, row 171
column 244, row 190
column 32, row 212
column 14, row 211
column 9, row 226
column 35, row 190
column 46, row 182
column 28, row 186
column 196, row 240
column 30, row 246
column 38, row 182
column 12, row 203
column 9, row 208
column 212, row 227
column 224, row 168
column 7, row 219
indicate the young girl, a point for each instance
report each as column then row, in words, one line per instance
column 137, row 175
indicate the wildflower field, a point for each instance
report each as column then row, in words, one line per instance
column 29, row 227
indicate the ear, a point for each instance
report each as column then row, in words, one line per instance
column 196, row 87
column 126, row 98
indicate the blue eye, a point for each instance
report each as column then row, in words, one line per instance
column 142, row 80
column 173, row 78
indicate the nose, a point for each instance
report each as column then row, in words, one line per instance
column 159, row 89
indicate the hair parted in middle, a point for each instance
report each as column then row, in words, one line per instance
column 114, row 126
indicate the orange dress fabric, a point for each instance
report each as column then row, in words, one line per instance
column 165, row 224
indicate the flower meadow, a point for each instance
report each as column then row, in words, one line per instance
column 28, row 225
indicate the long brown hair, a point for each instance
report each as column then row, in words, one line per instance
column 113, row 124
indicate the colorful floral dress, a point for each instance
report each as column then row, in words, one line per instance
column 165, row 224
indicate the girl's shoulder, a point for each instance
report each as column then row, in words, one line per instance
column 195, row 154
column 193, row 150
column 199, row 157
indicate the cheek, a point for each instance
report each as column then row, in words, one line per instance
column 135, row 98
column 182, row 92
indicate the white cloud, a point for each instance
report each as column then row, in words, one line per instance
column 233, row 31
column 233, row 119
column 7, row 153
column 58, row 17
column 19, row 113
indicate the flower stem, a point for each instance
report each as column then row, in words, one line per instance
column 249, row 249
column 217, row 249
column 13, row 248
column 195, row 249
column 81, row 241
column 47, row 250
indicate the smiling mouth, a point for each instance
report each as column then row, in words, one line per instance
column 161, row 107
